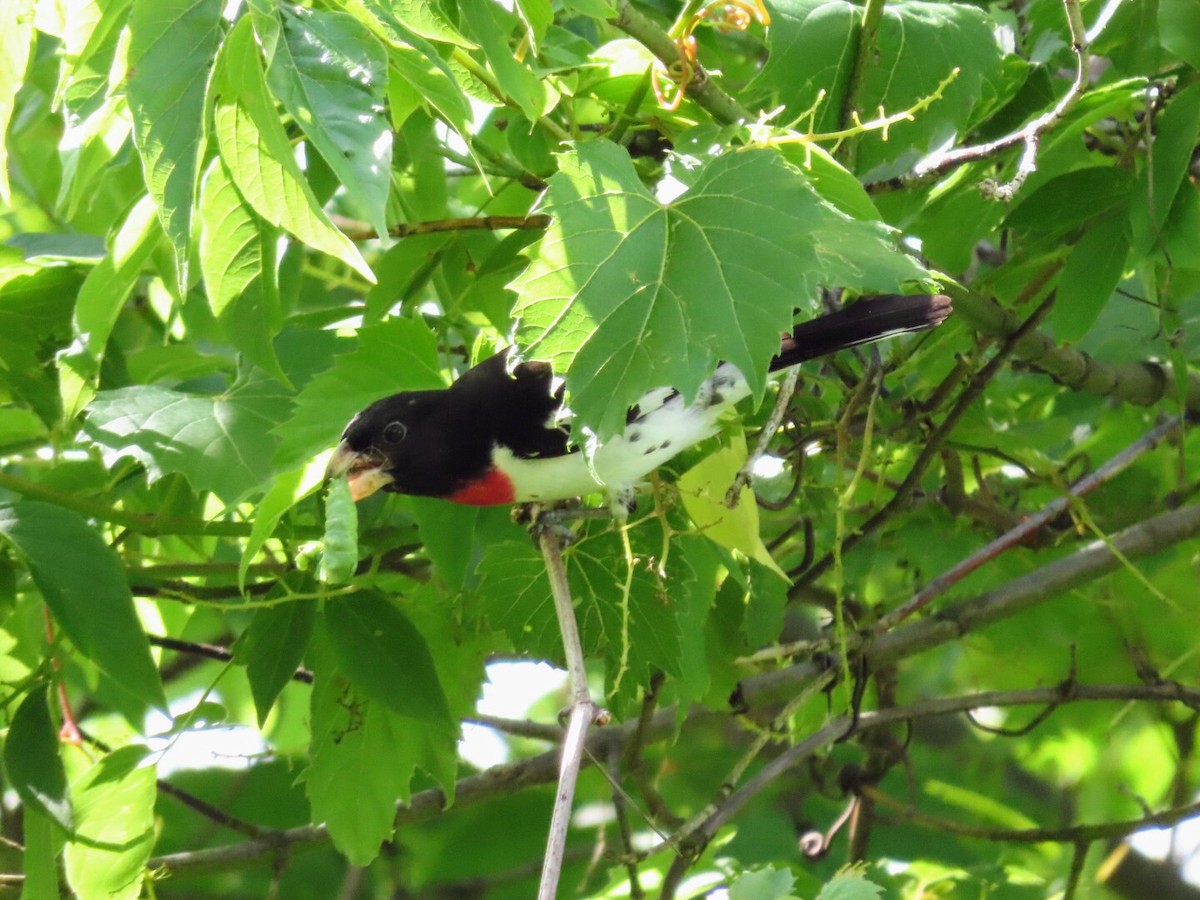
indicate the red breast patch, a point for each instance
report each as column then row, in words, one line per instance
column 492, row 489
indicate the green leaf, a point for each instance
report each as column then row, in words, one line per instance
column 918, row 44
column 273, row 647
column 1091, row 274
column 171, row 51
column 850, row 886
column 400, row 354
column 239, row 263
column 1179, row 29
column 766, row 884
column 83, row 583
column 219, row 443
column 340, row 555
column 100, row 301
column 1177, row 130
column 331, row 75
column 492, row 26
column 423, row 71
column 35, row 313
column 259, row 157
column 38, row 862
column 16, row 40
column 625, row 294
column 386, row 657
column 31, row 760
column 114, row 805
column 702, row 489
column 363, row 759
column 448, row 531
column 624, row 615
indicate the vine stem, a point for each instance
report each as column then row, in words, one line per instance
column 583, row 711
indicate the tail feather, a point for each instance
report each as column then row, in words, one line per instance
column 861, row 323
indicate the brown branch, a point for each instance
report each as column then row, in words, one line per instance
column 357, row 231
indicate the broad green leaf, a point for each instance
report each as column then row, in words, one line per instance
column 386, row 657
column 239, row 263
column 331, row 75
column 363, row 760
column 625, row 293
column 400, row 354
column 171, row 56
column 850, row 886
column 32, row 762
column 702, row 489
column 1179, row 29
column 220, row 443
column 1091, row 274
column 114, row 804
column 340, row 554
column 100, row 301
column 624, row 615
column 536, row 16
column 82, row 581
column 39, row 861
column 259, row 156
column 492, row 26
column 448, row 533
column 273, row 646
column 426, row 18
column 422, row 71
column 918, row 44
column 766, row 884
column 16, row 41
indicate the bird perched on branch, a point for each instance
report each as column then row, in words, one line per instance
column 492, row 437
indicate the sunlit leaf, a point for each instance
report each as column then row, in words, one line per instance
column 171, row 53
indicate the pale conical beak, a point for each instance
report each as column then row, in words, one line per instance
column 364, row 470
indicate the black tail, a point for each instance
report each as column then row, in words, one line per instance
column 861, row 323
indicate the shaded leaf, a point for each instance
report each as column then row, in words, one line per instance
column 31, row 760
column 83, row 583
column 273, row 647
column 386, row 657
column 1091, row 274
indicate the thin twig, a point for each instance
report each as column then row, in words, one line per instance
column 1031, row 134
column 583, row 711
column 787, row 388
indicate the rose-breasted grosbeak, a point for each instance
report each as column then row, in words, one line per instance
column 491, row 437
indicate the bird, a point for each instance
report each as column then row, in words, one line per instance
column 494, row 436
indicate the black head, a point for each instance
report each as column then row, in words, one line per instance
column 434, row 442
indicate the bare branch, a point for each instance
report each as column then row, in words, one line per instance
column 1029, row 525
column 1031, row 134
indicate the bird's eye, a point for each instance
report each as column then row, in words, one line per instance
column 395, row 432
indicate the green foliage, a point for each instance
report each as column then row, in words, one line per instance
column 227, row 228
